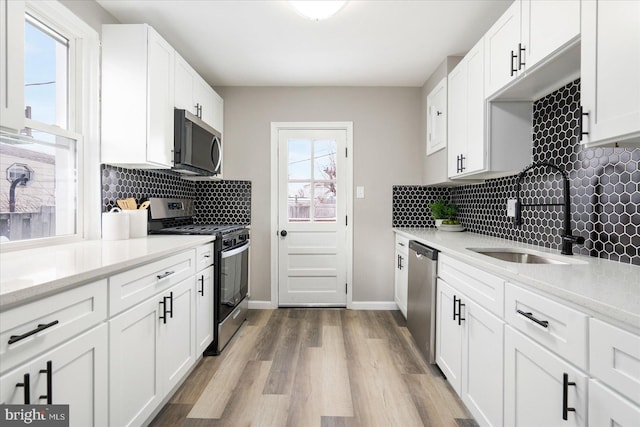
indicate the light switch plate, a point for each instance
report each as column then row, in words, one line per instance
column 511, row 208
column 360, row 192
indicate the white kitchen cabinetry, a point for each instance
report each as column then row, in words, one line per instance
column 470, row 350
column 193, row 93
column 607, row 408
column 401, row 287
column 204, row 297
column 540, row 388
column 12, row 64
column 525, row 36
column 151, row 349
column 485, row 140
column 137, row 97
column 74, row 374
column 437, row 118
column 610, row 66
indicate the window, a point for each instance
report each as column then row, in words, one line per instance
column 58, row 144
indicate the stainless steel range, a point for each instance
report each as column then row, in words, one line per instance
column 231, row 264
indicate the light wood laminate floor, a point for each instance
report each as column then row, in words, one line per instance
column 316, row 367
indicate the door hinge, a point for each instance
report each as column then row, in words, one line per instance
column 345, row 287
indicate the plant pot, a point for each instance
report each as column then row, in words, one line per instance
column 439, row 222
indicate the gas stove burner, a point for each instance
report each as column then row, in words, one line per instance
column 201, row 229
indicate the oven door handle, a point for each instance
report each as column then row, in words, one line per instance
column 235, row 251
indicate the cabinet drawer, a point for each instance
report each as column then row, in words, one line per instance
column 614, row 357
column 607, row 408
column 134, row 286
column 68, row 313
column 482, row 287
column 204, row 256
column 402, row 244
column 556, row 326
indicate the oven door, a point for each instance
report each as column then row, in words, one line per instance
column 234, row 278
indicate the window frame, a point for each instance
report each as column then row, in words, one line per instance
column 83, row 118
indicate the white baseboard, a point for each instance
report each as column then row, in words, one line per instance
column 260, row 305
column 374, row 305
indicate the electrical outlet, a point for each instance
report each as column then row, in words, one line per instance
column 511, row 208
column 360, row 192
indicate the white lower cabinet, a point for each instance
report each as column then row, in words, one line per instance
column 470, row 353
column 151, row 349
column 608, row 408
column 401, row 286
column 74, row 374
column 541, row 389
column 204, row 309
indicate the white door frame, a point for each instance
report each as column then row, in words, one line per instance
column 275, row 128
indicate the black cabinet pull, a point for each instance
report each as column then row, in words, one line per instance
column 26, row 383
column 521, row 50
column 565, row 396
column 49, row 372
column 163, row 316
column 455, row 301
column 201, row 291
column 581, row 131
column 513, row 69
column 170, row 311
column 400, row 266
column 530, row 316
column 41, row 327
column 460, row 305
column 165, row 274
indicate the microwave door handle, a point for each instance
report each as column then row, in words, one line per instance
column 216, row 140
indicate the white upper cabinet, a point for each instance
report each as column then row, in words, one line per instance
column 12, row 64
column 437, row 118
column 528, row 35
column 193, row 93
column 137, row 97
column 610, row 65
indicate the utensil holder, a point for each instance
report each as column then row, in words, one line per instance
column 137, row 222
column 115, row 225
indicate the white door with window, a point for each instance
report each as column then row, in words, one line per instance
column 312, row 217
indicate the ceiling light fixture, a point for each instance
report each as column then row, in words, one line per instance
column 317, row 10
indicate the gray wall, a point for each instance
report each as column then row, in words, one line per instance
column 387, row 151
column 91, row 13
column 434, row 166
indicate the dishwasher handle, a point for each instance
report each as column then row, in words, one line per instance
column 423, row 251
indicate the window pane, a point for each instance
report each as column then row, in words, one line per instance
column 38, row 192
column 299, row 202
column 46, row 74
column 299, row 159
column 324, row 156
column 324, row 202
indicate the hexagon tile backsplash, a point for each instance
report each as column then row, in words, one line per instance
column 604, row 187
column 216, row 202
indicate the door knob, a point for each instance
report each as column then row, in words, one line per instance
column 283, row 233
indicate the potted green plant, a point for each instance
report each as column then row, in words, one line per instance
column 444, row 212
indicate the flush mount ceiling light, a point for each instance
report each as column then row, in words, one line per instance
column 317, row 10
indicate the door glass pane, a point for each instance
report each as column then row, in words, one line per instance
column 299, row 202
column 46, row 74
column 324, row 157
column 324, row 202
column 299, row 159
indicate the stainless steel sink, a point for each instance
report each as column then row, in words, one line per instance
column 521, row 256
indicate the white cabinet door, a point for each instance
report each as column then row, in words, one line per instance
column 204, row 309
column 137, row 97
column 607, row 408
column 437, row 118
column 457, row 117
column 449, row 335
column 535, row 386
column 134, row 383
column 183, row 87
column 218, row 115
column 76, row 374
column 501, row 47
column 206, row 100
column 548, row 26
column 482, row 367
column 177, row 336
column 12, row 64
column 401, row 282
column 475, row 158
column 610, row 66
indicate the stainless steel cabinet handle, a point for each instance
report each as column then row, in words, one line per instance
column 165, row 274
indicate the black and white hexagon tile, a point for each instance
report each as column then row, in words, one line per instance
column 604, row 190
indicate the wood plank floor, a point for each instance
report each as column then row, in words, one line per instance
column 317, row 367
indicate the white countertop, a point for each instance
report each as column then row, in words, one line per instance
column 606, row 289
column 33, row 273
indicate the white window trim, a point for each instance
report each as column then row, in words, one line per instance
column 83, row 120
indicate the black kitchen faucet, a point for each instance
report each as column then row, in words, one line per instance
column 568, row 239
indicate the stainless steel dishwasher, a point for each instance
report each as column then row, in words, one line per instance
column 421, row 298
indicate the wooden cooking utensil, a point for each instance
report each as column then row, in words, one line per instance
column 144, row 205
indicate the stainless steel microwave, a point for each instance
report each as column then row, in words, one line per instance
column 197, row 146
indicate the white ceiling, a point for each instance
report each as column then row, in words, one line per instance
column 266, row 43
